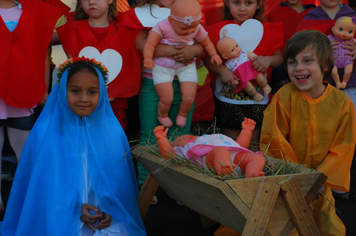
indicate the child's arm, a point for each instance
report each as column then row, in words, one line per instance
column 262, row 63
column 210, row 49
column 226, row 75
column 351, row 48
column 149, row 48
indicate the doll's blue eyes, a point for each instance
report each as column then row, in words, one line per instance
column 341, row 29
column 350, row 32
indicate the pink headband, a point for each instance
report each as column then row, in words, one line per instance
column 187, row 19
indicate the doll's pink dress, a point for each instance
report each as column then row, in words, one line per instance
column 243, row 69
column 198, row 149
column 340, row 56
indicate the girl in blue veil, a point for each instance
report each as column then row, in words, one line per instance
column 76, row 158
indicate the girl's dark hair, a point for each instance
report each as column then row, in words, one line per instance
column 258, row 14
column 78, row 67
column 314, row 40
column 81, row 15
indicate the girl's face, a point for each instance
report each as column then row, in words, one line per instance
column 242, row 10
column 96, row 9
column 83, row 93
column 305, row 72
column 164, row 3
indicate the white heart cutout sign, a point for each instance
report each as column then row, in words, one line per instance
column 109, row 57
column 248, row 35
column 150, row 17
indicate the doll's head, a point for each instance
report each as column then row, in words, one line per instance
column 344, row 28
column 227, row 47
column 185, row 16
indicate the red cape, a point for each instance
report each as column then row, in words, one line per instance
column 129, row 19
column 323, row 26
column 57, row 3
column 23, row 54
column 76, row 35
column 284, row 14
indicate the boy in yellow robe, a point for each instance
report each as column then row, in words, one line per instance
column 311, row 122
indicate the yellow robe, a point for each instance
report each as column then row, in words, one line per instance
column 319, row 133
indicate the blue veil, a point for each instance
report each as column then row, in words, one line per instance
column 46, row 194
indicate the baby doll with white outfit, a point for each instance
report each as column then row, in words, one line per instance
column 239, row 62
column 180, row 28
column 343, row 30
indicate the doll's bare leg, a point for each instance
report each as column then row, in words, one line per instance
column 251, row 163
column 347, row 75
column 251, row 90
column 165, row 148
column 219, row 158
column 262, row 82
column 336, row 77
column 188, row 91
column 165, row 94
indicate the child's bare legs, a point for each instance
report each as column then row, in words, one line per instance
column 262, row 82
column 251, row 163
column 251, row 90
column 336, row 77
column 219, row 158
column 165, row 94
column 17, row 139
column 188, row 91
column 347, row 74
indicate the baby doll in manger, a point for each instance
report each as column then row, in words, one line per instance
column 182, row 27
column 238, row 61
column 343, row 30
column 215, row 150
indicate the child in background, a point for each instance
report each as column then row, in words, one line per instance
column 323, row 19
column 23, row 60
column 145, row 16
column 96, row 33
column 312, row 123
column 88, row 184
column 290, row 13
column 182, row 27
column 231, row 108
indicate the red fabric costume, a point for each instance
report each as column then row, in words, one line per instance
column 23, row 54
column 76, row 35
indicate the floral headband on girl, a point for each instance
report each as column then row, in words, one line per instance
column 187, row 19
column 91, row 62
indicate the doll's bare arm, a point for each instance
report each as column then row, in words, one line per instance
column 210, row 49
column 149, row 48
column 244, row 138
column 165, row 148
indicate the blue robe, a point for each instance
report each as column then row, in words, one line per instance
column 46, row 194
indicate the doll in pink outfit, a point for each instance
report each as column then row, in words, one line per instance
column 239, row 62
column 215, row 150
column 343, row 30
column 181, row 27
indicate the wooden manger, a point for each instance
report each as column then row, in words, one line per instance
column 269, row 205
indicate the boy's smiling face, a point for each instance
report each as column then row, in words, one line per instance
column 305, row 72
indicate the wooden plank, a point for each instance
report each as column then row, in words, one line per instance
column 262, row 207
column 298, row 208
column 148, row 190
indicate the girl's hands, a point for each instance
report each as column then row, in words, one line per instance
column 104, row 222
column 229, row 78
column 261, row 63
column 88, row 218
column 183, row 54
column 351, row 48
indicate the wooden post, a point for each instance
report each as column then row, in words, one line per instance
column 262, row 207
column 147, row 192
column 298, row 208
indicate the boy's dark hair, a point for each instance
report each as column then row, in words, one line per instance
column 315, row 40
column 258, row 14
column 79, row 66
